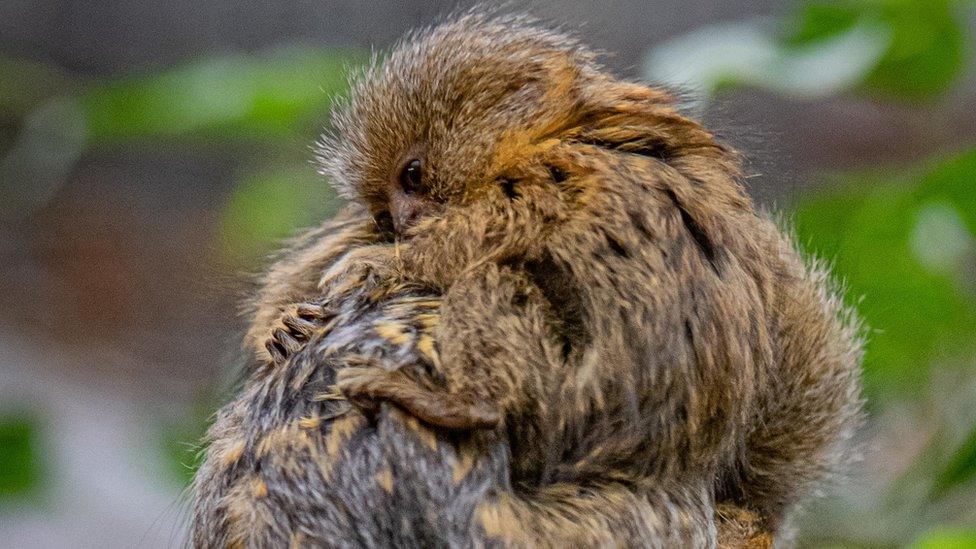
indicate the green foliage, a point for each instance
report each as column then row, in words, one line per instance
column 904, row 244
column 20, row 471
column 182, row 452
column 903, row 248
column 926, row 48
column 231, row 96
column 270, row 205
column 183, row 440
column 961, row 467
column 747, row 53
column 947, row 539
column 903, row 49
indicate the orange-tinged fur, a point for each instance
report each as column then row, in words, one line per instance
column 594, row 292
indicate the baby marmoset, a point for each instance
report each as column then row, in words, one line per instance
column 609, row 296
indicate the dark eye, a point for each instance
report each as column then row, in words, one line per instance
column 412, row 176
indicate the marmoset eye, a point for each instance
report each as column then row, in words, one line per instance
column 412, row 177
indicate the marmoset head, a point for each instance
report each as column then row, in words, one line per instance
column 451, row 110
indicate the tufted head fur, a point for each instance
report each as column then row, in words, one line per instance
column 477, row 100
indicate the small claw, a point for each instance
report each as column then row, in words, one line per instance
column 287, row 342
column 276, row 351
column 298, row 327
column 313, row 312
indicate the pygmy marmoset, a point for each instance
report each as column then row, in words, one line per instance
column 562, row 277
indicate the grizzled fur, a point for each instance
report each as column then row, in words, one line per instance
column 291, row 464
column 616, row 325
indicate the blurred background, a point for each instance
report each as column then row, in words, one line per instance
column 153, row 153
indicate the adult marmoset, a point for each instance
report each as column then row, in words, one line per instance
column 594, row 288
column 293, row 465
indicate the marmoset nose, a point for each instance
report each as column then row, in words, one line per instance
column 408, row 208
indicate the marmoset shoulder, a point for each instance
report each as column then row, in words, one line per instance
column 609, row 298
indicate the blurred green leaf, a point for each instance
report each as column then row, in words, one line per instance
column 953, row 182
column 183, row 452
column 947, row 539
column 746, row 53
column 19, row 457
column 926, row 50
column 819, row 21
column 869, row 230
column 271, row 205
column 183, row 441
column 233, row 95
column 906, row 49
column 960, row 469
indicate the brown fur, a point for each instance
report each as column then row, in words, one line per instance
column 598, row 290
column 290, row 460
